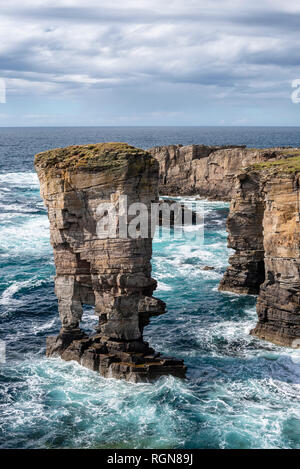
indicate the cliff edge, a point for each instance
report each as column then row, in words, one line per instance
column 206, row 171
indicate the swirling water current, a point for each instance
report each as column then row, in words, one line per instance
column 240, row 393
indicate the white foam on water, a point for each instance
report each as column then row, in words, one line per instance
column 8, row 217
column 29, row 237
column 210, row 274
column 163, row 286
column 65, row 404
column 109, row 411
column 7, row 297
column 170, row 413
column 176, row 264
column 228, row 293
column 20, row 179
column 19, row 208
column 45, row 326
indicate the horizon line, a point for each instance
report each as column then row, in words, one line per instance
column 143, row 126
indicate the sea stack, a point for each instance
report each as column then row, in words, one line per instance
column 111, row 273
column 264, row 230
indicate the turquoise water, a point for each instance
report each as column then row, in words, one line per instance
column 240, row 393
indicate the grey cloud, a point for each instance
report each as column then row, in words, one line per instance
column 116, row 15
column 262, row 19
column 135, row 47
column 274, row 20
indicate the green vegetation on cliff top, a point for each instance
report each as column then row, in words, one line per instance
column 290, row 163
column 88, row 157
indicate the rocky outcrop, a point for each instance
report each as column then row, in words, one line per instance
column 111, row 273
column 244, row 225
column 263, row 228
column 207, row 171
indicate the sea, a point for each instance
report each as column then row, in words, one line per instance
column 240, row 392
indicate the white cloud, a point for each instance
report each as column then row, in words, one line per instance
column 222, row 47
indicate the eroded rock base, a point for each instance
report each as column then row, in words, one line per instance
column 278, row 304
column 133, row 361
column 277, row 335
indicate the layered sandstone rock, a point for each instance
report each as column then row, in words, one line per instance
column 263, row 228
column 113, row 274
column 207, row 171
column 244, row 225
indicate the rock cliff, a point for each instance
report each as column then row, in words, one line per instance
column 113, row 274
column 207, row 171
column 263, row 229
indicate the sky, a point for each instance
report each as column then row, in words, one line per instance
column 149, row 62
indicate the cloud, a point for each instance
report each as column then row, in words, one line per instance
column 220, row 49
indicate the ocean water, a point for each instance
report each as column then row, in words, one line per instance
column 240, row 393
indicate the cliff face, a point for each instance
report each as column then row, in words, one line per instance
column 263, row 228
column 207, row 171
column 112, row 274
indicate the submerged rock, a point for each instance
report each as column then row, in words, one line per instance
column 264, row 230
column 112, row 274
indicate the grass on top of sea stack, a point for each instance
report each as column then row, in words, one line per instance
column 89, row 157
column 290, row 163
